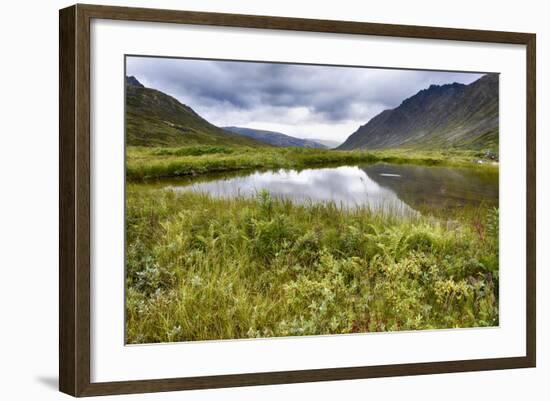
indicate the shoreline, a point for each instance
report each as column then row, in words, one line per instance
column 152, row 163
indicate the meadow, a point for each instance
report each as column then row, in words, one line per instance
column 157, row 162
column 233, row 236
column 205, row 268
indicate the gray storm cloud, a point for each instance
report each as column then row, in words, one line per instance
column 308, row 101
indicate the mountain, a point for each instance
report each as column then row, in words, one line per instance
column 331, row 144
column 274, row 138
column 154, row 118
column 132, row 81
column 440, row 116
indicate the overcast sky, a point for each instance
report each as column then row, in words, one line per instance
column 304, row 101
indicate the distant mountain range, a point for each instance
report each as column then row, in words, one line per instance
column 327, row 142
column 275, row 138
column 440, row 116
column 154, row 118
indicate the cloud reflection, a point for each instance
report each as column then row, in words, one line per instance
column 345, row 186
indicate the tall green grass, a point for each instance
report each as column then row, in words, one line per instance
column 200, row 268
column 143, row 163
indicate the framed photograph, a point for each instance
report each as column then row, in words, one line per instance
column 249, row 200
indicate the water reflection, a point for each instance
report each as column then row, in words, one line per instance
column 437, row 187
column 402, row 189
column 346, row 186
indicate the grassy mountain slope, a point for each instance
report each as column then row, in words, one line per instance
column 275, row 138
column 457, row 115
column 156, row 119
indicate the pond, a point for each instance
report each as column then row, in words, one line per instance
column 396, row 188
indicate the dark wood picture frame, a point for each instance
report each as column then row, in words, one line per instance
column 74, row 199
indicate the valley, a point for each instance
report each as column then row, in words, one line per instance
column 235, row 232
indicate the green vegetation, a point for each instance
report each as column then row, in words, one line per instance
column 487, row 142
column 205, row 268
column 155, row 162
column 155, row 119
column 200, row 268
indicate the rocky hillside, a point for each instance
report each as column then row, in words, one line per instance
column 154, row 118
column 440, row 116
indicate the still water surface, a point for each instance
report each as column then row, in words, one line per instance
column 398, row 188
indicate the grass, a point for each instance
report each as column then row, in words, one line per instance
column 200, row 268
column 156, row 162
